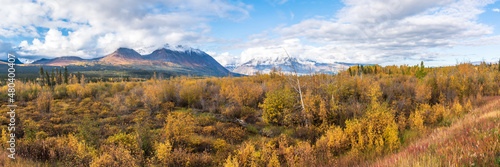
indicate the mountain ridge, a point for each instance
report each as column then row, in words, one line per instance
column 190, row 61
column 302, row 67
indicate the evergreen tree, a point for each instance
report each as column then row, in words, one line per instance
column 78, row 76
column 66, row 75
column 421, row 72
column 53, row 78
column 42, row 79
column 56, row 77
column 59, row 77
column 48, row 78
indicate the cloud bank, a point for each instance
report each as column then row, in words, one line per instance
column 378, row 31
column 362, row 31
column 95, row 27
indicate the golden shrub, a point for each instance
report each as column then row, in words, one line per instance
column 276, row 104
column 152, row 97
column 334, row 139
column 163, row 152
column 417, row 120
column 44, row 101
column 114, row 156
column 242, row 93
column 457, row 109
column 231, row 162
column 391, row 138
column 179, row 127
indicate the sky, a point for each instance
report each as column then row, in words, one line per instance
column 385, row 32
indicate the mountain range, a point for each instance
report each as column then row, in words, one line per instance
column 302, row 67
column 181, row 62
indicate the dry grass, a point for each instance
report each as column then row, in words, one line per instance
column 20, row 162
column 472, row 140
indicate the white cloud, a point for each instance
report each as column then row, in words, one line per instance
column 495, row 10
column 331, row 53
column 98, row 27
column 368, row 31
column 224, row 58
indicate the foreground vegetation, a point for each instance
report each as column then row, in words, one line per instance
column 361, row 116
column 472, row 140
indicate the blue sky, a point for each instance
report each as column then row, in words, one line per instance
column 354, row 31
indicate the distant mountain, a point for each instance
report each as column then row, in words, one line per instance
column 177, row 62
column 231, row 67
column 123, row 56
column 192, row 58
column 61, row 61
column 302, row 67
column 26, row 61
column 17, row 61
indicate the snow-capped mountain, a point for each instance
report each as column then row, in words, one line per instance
column 231, row 67
column 302, row 67
column 26, row 61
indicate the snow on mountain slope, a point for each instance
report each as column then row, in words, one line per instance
column 302, row 67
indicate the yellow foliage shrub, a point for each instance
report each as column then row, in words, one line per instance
column 190, row 92
column 114, row 156
column 242, row 93
column 163, row 152
column 417, row 120
column 335, row 140
column 127, row 141
column 152, row 97
column 277, row 104
column 391, row 138
column 439, row 112
column 422, row 93
column 44, row 101
column 179, row 127
column 231, row 162
column 457, row 109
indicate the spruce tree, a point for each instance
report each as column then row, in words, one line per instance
column 48, row 78
column 59, row 77
column 42, row 79
column 53, row 78
column 78, row 76
column 66, row 75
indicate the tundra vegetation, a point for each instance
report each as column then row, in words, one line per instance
column 365, row 115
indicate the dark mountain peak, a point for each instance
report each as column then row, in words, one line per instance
column 16, row 61
column 192, row 58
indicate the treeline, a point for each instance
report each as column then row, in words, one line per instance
column 56, row 78
column 349, row 118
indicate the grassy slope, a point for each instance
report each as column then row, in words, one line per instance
column 472, row 140
column 20, row 162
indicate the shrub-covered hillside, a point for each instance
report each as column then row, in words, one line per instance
column 357, row 117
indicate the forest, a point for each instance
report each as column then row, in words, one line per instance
column 361, row 116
